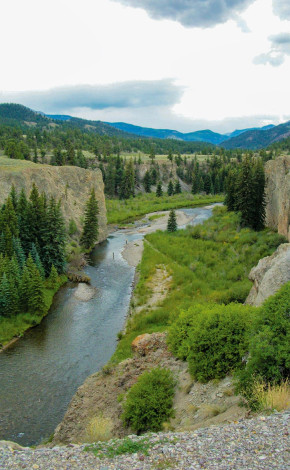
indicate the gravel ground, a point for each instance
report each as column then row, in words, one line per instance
column 259, row 443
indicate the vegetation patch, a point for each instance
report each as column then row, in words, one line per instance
column 208, row 263
column 119, row 447
column 150, row 401
column 128, row 210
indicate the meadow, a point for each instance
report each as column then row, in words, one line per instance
column 128, row 210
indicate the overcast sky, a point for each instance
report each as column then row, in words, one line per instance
column 179, row 64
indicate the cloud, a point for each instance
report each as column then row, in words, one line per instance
column 280, row 48
column 193, row 13
column 130, row 94
column 282, row 9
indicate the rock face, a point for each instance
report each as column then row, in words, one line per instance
column 70, row 184
column 278, row 195
column 269, row 275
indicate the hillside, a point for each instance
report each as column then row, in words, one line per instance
column 257, row 139
column 70, row 184
column 196, row 136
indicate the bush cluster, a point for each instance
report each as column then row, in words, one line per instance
column 150, row 401
column 213, row 338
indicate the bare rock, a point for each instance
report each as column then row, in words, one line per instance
column 145, row 344
column 70, row 184
column 84, row 292
column 269, row 275
column 278, row 195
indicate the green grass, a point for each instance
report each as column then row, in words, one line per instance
column 15, row 326
column 132, row 209
column 122, row 446
column 12, row 164
column 208, row 263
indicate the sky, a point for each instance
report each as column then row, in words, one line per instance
column 175, row 64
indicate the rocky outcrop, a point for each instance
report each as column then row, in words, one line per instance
column 269, row 275
column 70, row 184
column 278, row 195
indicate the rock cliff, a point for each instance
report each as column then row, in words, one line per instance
column 70, row 184
column 269, row 275
column 278, row 195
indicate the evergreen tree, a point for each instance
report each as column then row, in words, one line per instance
column 170, row 188
column 147, row 182
column 53, row 278
column 90, row 230
column 259, row 195
column 19, row 253
column 246, row 199
column 172, row 224
column 195, row 183
column 208, row 187
column 13, row 197
column 36, row 303
column 159, row 191
column 177, row 187
column 53, row 239
column 37, row 261
column 128, row 183
column 24, row 289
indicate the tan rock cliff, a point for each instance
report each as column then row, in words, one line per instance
column 278, row 195
column 70, row 184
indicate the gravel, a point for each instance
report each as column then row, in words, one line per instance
column 258, row 443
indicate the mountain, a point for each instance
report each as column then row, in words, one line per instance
column 21, row 116
column 196, row 136
column 257, row 139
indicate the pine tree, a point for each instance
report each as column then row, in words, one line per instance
column 53, row 239
column 177, row 187
column 5, row 297
column 36, row 303
column 37, row 261
column 246, row 198
column 19, row 253
column 147, row 182
column 170, row 188
column 208, row 184
column 24, row 289
column 195, row 183
column 90, row 230
column 159, row 191
column 259, row 195
column 128, row 183
column 172, row 224
column 53, row 278
column 13, row 196
column 9, row 218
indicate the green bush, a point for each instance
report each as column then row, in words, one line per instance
column 269, row 358
column 149, row 402
column 213, row 338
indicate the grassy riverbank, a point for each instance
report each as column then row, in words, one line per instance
column 132, row 209
column 207, row 264
column 15, row 326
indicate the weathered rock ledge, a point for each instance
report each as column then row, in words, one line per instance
column 270, row 274
column 277, row 174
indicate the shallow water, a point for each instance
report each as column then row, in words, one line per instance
column 40, row 373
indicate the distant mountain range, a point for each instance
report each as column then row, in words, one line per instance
column 198, row 136
column 253, row 138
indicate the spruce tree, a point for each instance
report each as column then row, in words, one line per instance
column 91, row 227
column 259, row 195
column 159, row 191
column 246, row 198
column 170, row 188
column 37, row 261
column 36, row 303
column 147, row 182
column 53, row 278
column 53, row 239
column 172, row 224
column 177, row 187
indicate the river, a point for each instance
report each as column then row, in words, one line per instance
column 40, row 373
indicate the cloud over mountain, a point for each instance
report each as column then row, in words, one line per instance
column 130, row 94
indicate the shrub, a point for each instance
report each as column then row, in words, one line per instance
column 149, row 402
column 271, row 397
column 99, row 429
column 269, row 359
column 213, row 338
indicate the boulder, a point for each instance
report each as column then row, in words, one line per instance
column 144, row 344
column 269, row 275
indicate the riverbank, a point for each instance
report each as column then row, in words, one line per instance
column 129, row 210
column 12, row 328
